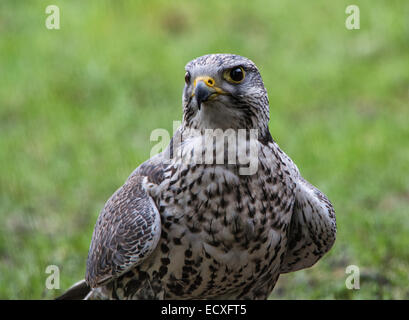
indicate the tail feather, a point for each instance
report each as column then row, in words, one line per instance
column 78, row 291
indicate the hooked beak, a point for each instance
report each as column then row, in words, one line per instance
column 205, row 89
column 203, row 93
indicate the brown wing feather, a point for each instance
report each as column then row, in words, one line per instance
column 127, row 229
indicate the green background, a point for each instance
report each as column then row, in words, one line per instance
column 77, row 106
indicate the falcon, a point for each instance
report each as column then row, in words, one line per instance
column 184, row 227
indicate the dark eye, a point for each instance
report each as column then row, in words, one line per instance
column 235, row 75
column 187, row 77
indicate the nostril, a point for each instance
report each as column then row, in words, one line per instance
column 210, row 82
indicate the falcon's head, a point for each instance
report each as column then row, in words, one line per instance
column 224, row 91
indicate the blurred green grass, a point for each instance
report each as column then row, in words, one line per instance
column 77, row 106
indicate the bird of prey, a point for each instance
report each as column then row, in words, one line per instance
column 185, row 229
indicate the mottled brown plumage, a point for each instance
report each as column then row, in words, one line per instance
column 181, row 229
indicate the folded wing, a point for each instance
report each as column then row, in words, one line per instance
column 127, row 231
column 312, row 230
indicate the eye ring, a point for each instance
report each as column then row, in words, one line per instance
column 235, row 74
column 187, row 77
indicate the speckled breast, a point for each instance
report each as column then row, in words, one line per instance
column 221, row 234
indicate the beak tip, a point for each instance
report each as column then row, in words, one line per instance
column 202, row 93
